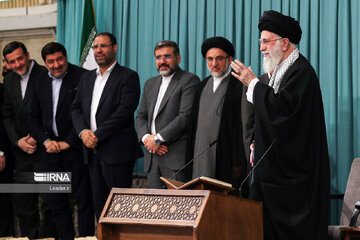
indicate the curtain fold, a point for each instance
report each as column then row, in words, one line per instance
column 330, row 41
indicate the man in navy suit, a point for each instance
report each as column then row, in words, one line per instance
column 103, row 116
column 51, row 125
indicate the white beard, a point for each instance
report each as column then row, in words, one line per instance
column 273, row 59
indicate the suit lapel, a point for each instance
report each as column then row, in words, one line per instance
column 109, row 83
column 47, row 91
column 17, row 90
column 172, row 85
column 64, row 90
column 154, row 91
column 88, row 93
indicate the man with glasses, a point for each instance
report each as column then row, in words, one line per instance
column 217, row 118
column 163, row 115
column 293, row 178
column 103, row 117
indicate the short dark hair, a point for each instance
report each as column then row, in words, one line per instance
column 12, row 46
column 168, row 43
column 51, row 48
column 109, row 35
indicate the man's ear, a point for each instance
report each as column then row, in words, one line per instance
column 285, row 44
column 115, row 48
column 178, row 59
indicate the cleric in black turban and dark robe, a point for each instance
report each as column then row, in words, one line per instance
column 293, row 179
column 217, row 116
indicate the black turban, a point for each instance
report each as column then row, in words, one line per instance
column 217, row 42
column 284, row 26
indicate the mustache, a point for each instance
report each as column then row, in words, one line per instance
column 163, row 65
column 21, row 66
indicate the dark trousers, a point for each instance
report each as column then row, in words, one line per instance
column 158, row 168
column 71, row 160
column 103, row 177
column 6, row 208
column 26, row 204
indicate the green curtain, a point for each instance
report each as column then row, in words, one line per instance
column 330, row 41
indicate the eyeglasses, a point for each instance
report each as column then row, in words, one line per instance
column 166, row 57
column 101, row 46
column 266, row 41
column 217, row 59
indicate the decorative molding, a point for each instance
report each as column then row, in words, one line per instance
column 28, row 33
column 152, row 207
column 28, row 22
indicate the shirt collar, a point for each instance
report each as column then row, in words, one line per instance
column 26, row 76
column 223, row 76
column 54, row 78
column 107, row 70
column 168, row 78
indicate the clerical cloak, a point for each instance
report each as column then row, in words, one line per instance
column 293, row 179
column 231, row 161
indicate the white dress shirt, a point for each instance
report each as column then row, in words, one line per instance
column 99, row 85
column 25, row 79
column 217, row 80
column 56, row 85
column 163, row 87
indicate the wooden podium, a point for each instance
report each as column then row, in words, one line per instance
column 179, row 214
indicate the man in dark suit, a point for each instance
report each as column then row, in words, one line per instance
column 103, row 116
column 6, row 170
column 163, row 115
column 17, row 91
column 51, row 125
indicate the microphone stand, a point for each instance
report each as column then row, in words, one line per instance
column 192, row 160
column 252, row 170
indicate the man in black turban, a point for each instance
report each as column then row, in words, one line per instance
column 217, row 116
column 293, row 179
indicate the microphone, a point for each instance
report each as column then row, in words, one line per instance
column 201, row 152
column 252, row 170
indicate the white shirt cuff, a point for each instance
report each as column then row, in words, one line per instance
column 81, row 133
column 160, row 137
column 48, row 139
column 144, row 137
column 250, row 91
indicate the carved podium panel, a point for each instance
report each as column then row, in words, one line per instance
column 178, row 214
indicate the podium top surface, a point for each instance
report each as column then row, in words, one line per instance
column 201, row 183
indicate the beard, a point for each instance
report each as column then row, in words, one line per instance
column 220, row 74
column 273, row 59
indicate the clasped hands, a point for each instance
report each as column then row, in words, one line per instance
column 89, row 139
column 55, row 147
column 241, row 72
column 152, row 147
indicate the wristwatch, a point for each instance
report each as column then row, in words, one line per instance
column 157, row 140
column 2, row 154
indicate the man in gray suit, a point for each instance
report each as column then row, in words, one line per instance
column 163, row 115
